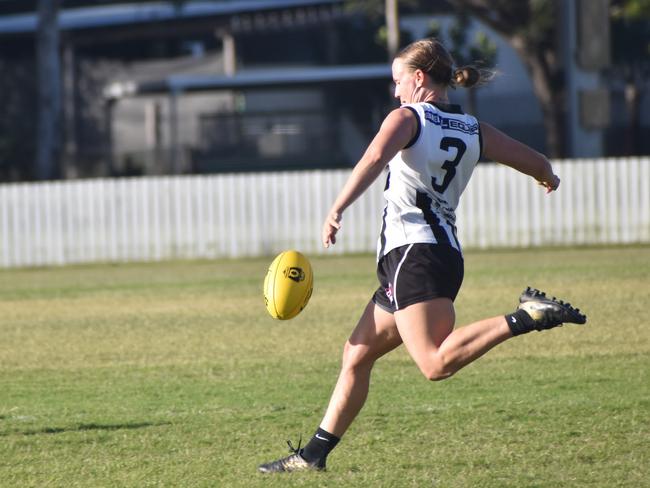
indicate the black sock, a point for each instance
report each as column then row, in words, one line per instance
column 319, row 446
column 520, row 322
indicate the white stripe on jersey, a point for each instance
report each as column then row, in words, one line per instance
column 427, row 178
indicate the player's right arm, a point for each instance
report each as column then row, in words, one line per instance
column 395, row 133
column 502, row 148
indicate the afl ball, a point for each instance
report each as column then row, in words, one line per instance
column 288, row 285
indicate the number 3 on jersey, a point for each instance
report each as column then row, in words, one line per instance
column 450, row 165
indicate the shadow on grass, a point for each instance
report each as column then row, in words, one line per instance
column 84, row 427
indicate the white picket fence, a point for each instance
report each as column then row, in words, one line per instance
column 237, row 215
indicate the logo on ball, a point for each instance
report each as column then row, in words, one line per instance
column 295, row 274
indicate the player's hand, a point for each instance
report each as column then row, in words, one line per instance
column 330, row 227
column 551, row 183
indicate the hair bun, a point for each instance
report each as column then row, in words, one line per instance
column 467, row 76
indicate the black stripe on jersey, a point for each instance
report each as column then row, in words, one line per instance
column 423, row 202
column 382, row 234
column 414, row 139
column 455, row 234
column 480, row 143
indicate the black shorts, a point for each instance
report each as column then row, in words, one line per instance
column 418, row 272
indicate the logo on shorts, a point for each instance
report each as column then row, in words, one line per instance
column 389, row 292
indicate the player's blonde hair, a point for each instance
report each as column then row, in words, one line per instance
column 430, row 56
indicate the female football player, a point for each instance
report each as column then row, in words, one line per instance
column 431, row 148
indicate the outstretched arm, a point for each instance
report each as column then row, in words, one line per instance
column 501, row 148
column 395, row 132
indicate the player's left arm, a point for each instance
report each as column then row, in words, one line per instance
column 502, row 148
column 395, row 133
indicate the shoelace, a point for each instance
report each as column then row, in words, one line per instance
column 292, row 449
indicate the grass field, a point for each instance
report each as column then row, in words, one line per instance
column 173, row 375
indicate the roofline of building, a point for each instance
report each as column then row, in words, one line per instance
column 268, row 78
column 119, row 15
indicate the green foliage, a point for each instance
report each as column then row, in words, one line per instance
column 631, row 38
column 484, row 49
column 375, row 9
column 172, row 374
column 542, row 25
column 481, row 51
column 631, row 9
column 375, row 12
column 381, row 37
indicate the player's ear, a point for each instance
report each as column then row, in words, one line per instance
column 419, row 78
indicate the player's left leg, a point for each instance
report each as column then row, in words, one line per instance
column 375, row 335
column 438, row 350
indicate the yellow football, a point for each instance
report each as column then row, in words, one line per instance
column 288, row 285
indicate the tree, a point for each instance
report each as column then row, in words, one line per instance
column 390, row 34
column 48, row 135
column 531, row 27
column 481, row 51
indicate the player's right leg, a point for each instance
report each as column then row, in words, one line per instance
column 375, row 335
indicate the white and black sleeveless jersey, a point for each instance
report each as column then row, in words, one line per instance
column 426, row 178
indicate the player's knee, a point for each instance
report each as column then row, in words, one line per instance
column 437, row 375
column 437, row 370
column 356, row 357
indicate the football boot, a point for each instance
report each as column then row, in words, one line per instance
column 548, row 312
column 293, row 462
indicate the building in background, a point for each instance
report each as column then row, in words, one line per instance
column 241, row 85
column 155, row 88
